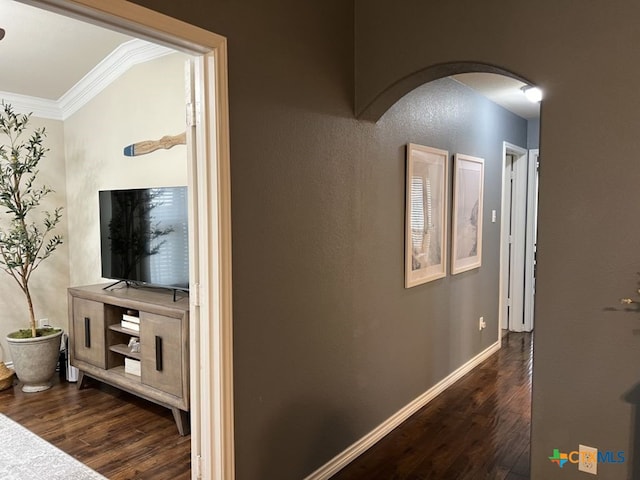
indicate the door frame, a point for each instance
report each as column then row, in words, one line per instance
column 211, row 341
column 514, row 196
column 532, row 233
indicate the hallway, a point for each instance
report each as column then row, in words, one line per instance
column 477, row 429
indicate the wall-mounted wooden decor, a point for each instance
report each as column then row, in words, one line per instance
column 148, row 146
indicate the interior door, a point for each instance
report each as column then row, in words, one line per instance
column 508, row 242
column 513, row 241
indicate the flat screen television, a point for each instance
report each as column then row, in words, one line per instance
column 144, row 236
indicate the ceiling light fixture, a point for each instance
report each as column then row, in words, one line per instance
column 2, row 32
column 533, row 94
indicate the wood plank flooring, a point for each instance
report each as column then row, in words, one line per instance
column 117, row 434
column 477, row 429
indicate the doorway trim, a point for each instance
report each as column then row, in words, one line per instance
column 514, row 212
column 532, row 233
column 212, row 438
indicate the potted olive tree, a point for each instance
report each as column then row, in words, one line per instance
column 26, row 239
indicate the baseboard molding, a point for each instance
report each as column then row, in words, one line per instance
column 351, row 453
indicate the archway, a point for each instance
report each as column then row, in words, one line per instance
column 375, row 109
column 517, row 212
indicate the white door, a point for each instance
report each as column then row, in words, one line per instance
column 513, row 239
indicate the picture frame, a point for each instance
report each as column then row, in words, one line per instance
column 468, row 199
column 426, row 195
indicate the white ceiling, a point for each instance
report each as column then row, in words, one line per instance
column 504, row 91
column 44, row 55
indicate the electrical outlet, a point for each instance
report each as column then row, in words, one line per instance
column 481, row 324
column 588, row 459
column 43, row 322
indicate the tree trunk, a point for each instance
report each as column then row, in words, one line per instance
column 32, row 316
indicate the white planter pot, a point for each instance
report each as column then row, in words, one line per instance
column 34, row 360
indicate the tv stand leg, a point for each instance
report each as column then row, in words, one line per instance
column 182, row 421
column 83, row 380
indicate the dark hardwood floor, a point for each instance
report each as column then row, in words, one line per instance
column 118, row 435
column 477, row 429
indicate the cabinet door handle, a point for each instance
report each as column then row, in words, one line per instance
column 158, row 353
column 87, row 332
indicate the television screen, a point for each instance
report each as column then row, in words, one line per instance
column 144, row 236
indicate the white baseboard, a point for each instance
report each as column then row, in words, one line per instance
column 351, row 453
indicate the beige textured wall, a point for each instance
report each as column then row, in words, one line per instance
column 145, row 103
column 49, row 282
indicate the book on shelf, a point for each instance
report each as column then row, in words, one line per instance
column 130, row 325
column 132, row 366
column 130, row 318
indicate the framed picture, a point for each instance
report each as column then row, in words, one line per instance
column 426, row 214
column 468, row 193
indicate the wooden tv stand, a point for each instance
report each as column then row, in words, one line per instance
column 99, row 345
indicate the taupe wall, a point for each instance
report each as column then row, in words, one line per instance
column 583, row 54
column 327, row 342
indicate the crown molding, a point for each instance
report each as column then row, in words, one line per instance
column 115, row 64
column 107, row 71
column 40, row 107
